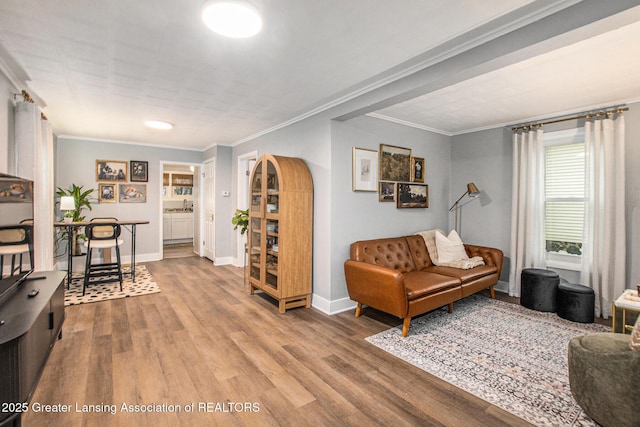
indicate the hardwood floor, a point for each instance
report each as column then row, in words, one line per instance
column 204, row 341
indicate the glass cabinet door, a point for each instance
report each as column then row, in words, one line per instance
column 255, row 248
column 256, row 190
column 273, row 193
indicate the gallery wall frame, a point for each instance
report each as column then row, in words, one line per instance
column 364, row 170
column 132, row 193
column 386, row 191
column 139, row 171
column 107, row 193
column 412, row 196
column 395, row 163
column 417, row 169
column 112, row 170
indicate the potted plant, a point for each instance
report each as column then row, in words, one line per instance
column 241, row 219
column 80, row 197
column 81, row 200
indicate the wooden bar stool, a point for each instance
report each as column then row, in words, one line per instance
column 102, row 235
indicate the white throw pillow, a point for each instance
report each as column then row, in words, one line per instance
column 450, row 248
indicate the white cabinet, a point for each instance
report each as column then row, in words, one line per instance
column 166, row 226
column 177, row 225
column 182, row 226
column 177, row 186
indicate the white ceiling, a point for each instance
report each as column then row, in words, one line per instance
column 103, row 67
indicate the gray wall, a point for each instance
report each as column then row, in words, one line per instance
column 310, row 141
column 485, row 158
column 76, row 164
column 359, row 215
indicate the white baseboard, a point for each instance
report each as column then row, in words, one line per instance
column 78, row 262
column 227, row 260
column 502, row 287
column 332, row 307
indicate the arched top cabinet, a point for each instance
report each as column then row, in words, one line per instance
column 281, row 230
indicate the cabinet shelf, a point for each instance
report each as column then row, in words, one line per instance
column 281, row 215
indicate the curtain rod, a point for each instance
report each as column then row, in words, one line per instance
column 580, row 116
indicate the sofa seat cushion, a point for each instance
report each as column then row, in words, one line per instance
column 421, row 283
column 464, row 276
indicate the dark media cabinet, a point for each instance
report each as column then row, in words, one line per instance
column 30, row 329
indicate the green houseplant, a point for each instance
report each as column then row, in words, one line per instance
column 241, row 219
column 82, row 200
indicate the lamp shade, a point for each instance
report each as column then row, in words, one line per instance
column 472, row 190
column 67, row 203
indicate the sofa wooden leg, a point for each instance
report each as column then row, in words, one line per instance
column 358, row 310
column 450, row 307
column 405, row 326
column 492, row 292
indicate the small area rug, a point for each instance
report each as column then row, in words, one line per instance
column 144, row 285
column 505, row 354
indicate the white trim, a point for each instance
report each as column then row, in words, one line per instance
column 332, row 307
column 226, row 260
column 242, row 193
column 409, row 124
column 116, row 141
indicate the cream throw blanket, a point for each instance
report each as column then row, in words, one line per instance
column 430, row 240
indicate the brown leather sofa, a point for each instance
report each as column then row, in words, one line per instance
column 396, row 275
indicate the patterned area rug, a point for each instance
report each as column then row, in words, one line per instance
column 105, row 291
column 505, row 354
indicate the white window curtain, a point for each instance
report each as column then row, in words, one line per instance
column 527, row 227
column 34, row 160
column 604, row 247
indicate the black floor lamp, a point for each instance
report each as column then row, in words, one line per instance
column 473, row 192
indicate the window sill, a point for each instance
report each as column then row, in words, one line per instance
column 564, row 262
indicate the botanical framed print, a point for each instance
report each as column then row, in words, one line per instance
column 139, row 171
column 412, row 196
column 111, row 170
column 107, row 193
column 364, row 170
column 417, row 169
column 387, row 192
column 395, row 163
column 132, row 193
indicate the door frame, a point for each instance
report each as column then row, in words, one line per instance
column 242, row 201
column 197, row 207
column 203, row 196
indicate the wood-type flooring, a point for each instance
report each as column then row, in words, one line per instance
column 204, row 352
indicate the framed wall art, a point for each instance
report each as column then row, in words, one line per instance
column 412, row 196
column 417, row 169
column 364, row 170
column 111, row 170
column 139, row 171
column 387, row 192
column 107, row 193
column 132, row 193
column 395, row 163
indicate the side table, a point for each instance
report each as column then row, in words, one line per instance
column 629, row 300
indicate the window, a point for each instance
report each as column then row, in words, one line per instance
column 564, row 192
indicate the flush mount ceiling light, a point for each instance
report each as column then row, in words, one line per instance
column 158, row 124
column 232, row 18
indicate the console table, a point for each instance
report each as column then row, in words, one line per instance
column 29, row 327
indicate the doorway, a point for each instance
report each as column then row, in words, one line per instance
column 180, row 210
column 245, row 167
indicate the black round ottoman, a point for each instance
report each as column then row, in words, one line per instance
column 576, row 302
column 538, row 289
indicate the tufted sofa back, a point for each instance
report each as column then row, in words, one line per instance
column 390, row 253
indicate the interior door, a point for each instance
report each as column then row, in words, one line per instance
column 209, row 209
